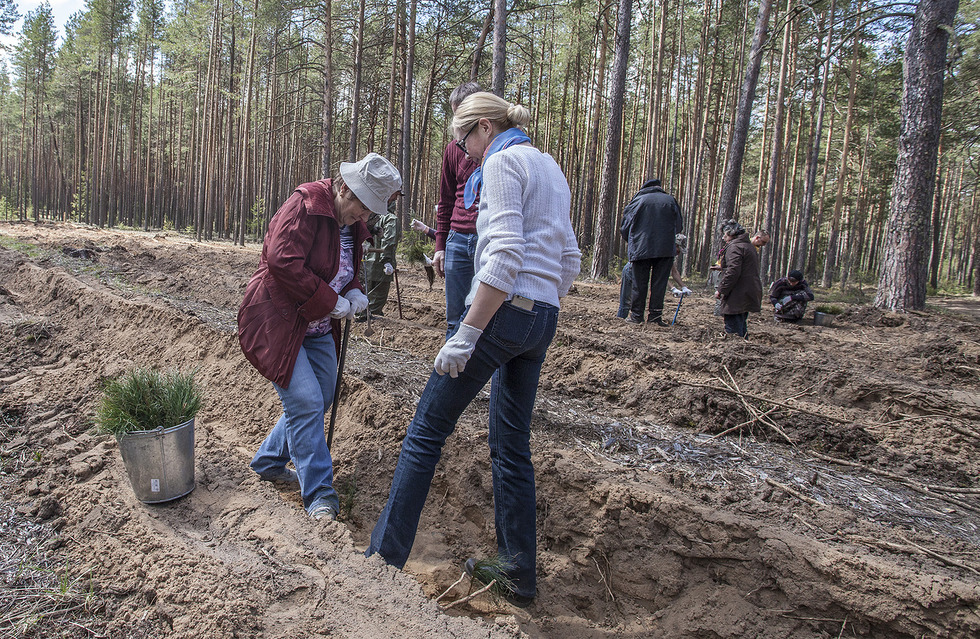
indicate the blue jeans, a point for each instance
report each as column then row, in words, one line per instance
column 510, row 353
column 299, row 434
column 459, row 267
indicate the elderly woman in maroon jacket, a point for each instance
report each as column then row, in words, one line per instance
column 289, row 321
column 740, row 288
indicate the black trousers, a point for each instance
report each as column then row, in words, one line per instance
column 653, row 273
column 737, row 324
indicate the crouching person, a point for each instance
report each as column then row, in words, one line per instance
column 789, row 296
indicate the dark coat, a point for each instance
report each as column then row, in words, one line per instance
column 650, row 222
column 291, row 288
column 799, row 295
column 740, row 284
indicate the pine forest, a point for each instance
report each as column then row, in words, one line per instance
column 788, row 116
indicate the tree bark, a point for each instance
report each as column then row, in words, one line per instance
column 902, row 284
column 610, row 171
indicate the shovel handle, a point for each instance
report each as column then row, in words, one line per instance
column 340, row 379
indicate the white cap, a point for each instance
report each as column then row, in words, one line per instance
column 373, row 179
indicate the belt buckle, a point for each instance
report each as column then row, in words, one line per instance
column 522, row 302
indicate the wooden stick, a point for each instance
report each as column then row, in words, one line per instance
column 905, row 482
column 754, row 412
column 767, row 400
column 943, row 558
column 794, row 493
column 446, row 591
column 469, row 597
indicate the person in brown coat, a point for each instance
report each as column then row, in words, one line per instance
column 740, row 288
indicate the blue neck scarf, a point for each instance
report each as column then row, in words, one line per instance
column 507, row 138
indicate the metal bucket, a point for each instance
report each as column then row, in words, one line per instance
column 822, row 319
column 160, row 462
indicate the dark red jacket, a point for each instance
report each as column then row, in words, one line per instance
column 451, row 213
column 291, row 288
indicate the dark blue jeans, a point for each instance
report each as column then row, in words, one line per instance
column 510, row 353
column 738, row 324
column 460, row 254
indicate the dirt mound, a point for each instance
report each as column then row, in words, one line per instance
column 811, row 482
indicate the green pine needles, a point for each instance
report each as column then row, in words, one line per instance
column 494, row 570
column 145, row 399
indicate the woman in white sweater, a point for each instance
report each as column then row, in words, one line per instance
column 526, row 260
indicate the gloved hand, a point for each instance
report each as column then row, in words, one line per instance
column 342, row 309
column 778, row 307
column 389, row 269
column 686, row 291
column 428, row 260
column 419, row 226
column 358, row 300
column 676, row 292
column 785, row 300
column 456, row 351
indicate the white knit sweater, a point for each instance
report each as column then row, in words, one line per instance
column 526, row 242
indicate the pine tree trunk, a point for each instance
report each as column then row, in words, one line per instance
column 902, row 284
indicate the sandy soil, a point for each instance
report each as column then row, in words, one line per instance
column 810, row 482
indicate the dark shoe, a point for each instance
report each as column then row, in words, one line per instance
column 633, row 320
column 521, row 601
column 658, row 322
column 282, row 475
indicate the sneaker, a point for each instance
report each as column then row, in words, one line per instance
column 280, row 476
column 322, row 510
column 633, row 320
column 521, row 601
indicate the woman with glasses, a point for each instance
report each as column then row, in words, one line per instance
column 526, row 260
column 289, row 321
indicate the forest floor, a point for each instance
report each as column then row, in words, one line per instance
column 808, row 482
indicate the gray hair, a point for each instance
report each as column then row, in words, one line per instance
column 462, row 92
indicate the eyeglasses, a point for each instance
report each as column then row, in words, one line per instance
column 461, row 143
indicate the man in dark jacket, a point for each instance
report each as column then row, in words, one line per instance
column 650, row 222
column 789, row 295
column 740, row 288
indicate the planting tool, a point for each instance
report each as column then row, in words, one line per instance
column 678, row 309
column 368, row 332
column 340, row 379
column 398, row 294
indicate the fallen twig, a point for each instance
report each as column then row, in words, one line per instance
column 605, row 583
column 752, row 411
column 469, row 597
column 795, row 493
column 447, row 590
column 902, row 480
column 765, row 399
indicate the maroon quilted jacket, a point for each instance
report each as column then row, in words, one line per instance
column 291, row 288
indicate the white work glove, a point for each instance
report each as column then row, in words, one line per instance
column 358, row 301
column 786, row 300
column 686, row 291
column 778, row 306
column 676, row 292
column 419, row 226
column 439, row 262
column 456, row 351
column 342, row 309
column 389, row 269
